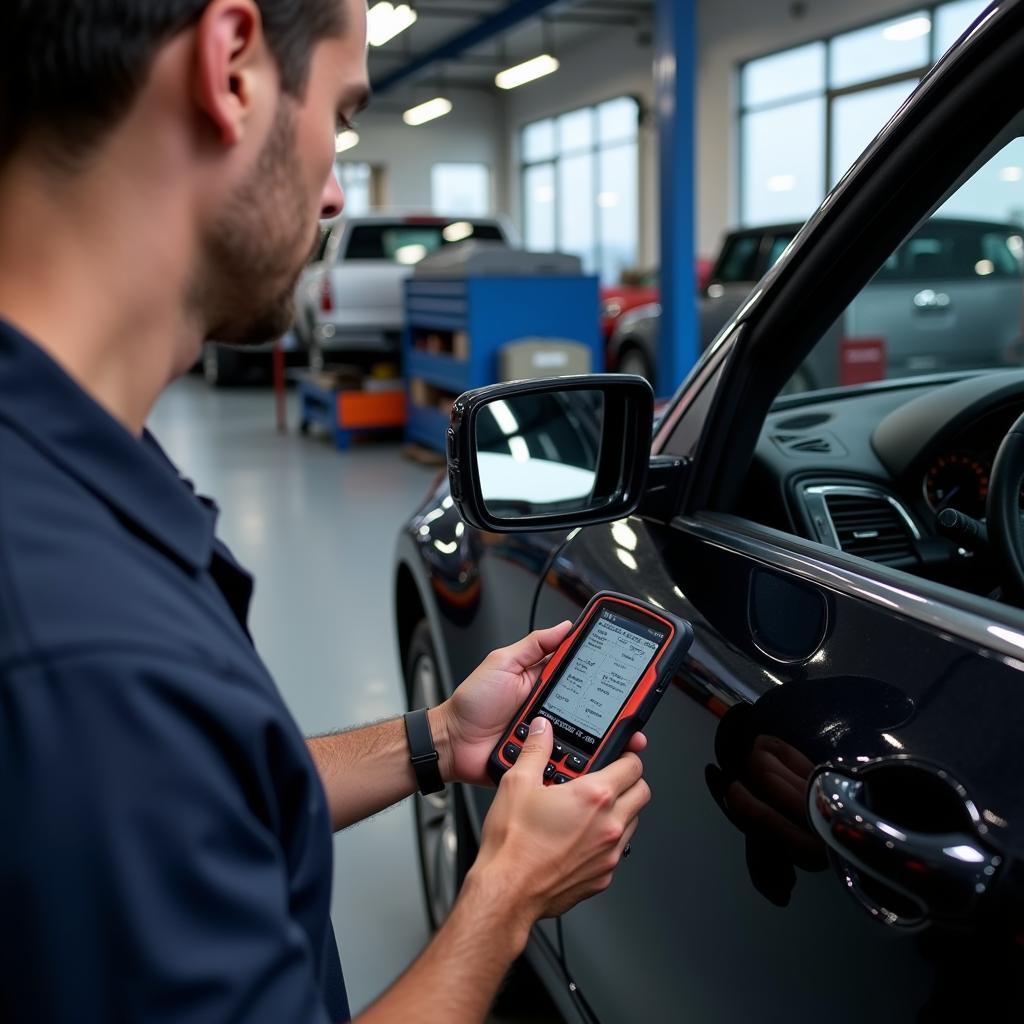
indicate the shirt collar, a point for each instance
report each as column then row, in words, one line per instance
column 45, row 406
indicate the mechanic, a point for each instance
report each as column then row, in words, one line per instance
column 166, row 850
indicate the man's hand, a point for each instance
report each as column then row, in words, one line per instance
column 546, row 848
column 469, row 724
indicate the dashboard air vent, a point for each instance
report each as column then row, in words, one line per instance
column 871, row 527
column 808, row 444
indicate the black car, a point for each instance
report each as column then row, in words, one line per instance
column 834, row 833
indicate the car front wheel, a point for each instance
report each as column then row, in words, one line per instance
column 443, row 836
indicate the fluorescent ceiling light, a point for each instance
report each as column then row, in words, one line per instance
column 345, row 140
column 385, row 21
column 781, row 183
column 904, row 31
column 1011, row 173
column 512, row 78
column 428, row 111
column 408, row 255
column 458, row 231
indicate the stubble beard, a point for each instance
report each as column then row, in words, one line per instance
column 254, row 251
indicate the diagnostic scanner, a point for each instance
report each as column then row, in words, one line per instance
column 599, row 687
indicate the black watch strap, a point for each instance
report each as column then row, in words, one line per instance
column 422, row 752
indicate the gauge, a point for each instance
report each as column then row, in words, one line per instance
column 958, row 480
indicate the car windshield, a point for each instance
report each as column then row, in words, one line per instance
column 408, row 243
column 949, row 298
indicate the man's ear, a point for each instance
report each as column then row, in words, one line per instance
column 231, row 56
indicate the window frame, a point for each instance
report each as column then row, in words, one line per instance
column 828, row 93
column 593, row 150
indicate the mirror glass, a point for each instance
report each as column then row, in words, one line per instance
column 538, row 454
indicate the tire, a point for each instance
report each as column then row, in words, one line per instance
column 633, row 359
column 444, row 838
column 220, row 366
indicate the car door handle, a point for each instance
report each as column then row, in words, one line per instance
column 905, row 840
column 928, row 300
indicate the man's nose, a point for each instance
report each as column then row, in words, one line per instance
column 332, row 202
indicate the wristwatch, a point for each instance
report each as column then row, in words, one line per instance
column 422, row 752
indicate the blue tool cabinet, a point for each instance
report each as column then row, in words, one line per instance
column 455, row 328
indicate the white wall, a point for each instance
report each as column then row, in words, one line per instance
column 611, row 64
column 472, row 133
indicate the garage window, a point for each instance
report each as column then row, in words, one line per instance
column 580, row 186
column 807, row 113
column 462, row 190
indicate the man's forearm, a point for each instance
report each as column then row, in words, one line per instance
column 458, row 974
column 367, row 769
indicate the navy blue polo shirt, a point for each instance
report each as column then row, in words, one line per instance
column 165, row 846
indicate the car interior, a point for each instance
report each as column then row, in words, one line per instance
column 869, row 464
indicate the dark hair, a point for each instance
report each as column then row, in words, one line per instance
column 70, row 69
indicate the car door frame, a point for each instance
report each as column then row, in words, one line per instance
column 897, row 182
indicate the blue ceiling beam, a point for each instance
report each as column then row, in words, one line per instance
column 514, row 14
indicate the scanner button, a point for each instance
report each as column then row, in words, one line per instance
column 557, row 752
column 511, row 752
column 576, row 763
column 549, row 771
column 522, row 731
column 560, row 778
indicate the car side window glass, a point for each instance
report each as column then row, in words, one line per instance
column 779, row 245
column 739, row 260
column 947, row 299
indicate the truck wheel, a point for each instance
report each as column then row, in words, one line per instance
column 220, row 366
column 443, row 835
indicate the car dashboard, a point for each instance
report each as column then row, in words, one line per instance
column 868, row 470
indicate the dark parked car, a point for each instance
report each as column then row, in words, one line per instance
column 837, row 822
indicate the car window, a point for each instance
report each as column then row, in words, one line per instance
column 409, row 243
column 738, row 261
column 948, row 298
column 779, row 245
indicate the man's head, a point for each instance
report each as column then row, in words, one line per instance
column 243, row 97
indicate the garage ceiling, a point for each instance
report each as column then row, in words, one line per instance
column 562, row 26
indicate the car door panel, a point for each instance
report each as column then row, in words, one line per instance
column 706, row 894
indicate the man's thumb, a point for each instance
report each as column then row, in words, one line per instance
column 537, row 748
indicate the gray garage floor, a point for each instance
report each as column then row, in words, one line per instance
column 318, row 529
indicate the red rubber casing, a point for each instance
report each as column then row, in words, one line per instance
column 639, row 705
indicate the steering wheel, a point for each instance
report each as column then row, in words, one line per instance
column 1005, row 528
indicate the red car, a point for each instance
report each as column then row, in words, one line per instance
column 639, row 289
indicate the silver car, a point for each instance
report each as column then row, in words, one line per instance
column 952, row 279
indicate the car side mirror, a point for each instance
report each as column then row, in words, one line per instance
column 550, row 454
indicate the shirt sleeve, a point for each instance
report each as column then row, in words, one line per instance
column 142, row 871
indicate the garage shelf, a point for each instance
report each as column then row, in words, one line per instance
column 347, row 414
column 478, row 316
column 424, row 426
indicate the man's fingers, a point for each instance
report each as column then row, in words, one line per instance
column 627, row 836
column 536, row 751
column 634, row 800
column 619, row 775
column 637, row 742
column 534, row 646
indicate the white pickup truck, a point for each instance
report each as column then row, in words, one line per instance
column 349, row 304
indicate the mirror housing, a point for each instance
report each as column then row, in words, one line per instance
column 622, row 458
